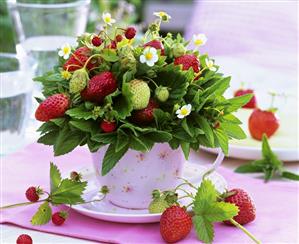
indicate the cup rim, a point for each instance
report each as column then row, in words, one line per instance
column 51, row 5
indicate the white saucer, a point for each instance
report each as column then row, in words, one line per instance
column 104, row 210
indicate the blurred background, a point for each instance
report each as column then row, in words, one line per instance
column 254, row 41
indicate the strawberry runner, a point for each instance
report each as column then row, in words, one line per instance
column 38, row 157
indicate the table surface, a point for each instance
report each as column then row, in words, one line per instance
column 9, row 233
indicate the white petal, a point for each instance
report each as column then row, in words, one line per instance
column 178, row 111
column 150, row 63
column 155, row 58
column 180, row 116
column 112, row 21
column 213, row 69
column 152, row 50
column 66, row 56
column 142, row 59
column 60, row 53
column 189, row 106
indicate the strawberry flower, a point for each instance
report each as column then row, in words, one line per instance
column 210, row 64
column 149, row 56
column 108, row 19
column 184, row 111
column 65, row 51
column 66, row 74
column 199, row 39
column 163, row 16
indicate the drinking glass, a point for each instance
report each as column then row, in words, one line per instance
column 43, row 28
column 15, row 101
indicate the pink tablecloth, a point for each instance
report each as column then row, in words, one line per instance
column 276, row 203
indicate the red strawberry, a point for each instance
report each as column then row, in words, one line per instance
column 33, row 193
column 262, row 121
column 252, row 102
column 175, row 224
column 96, row 41
column 155, row 44
column 112, row 45
column 118, row 38
column 78, row 59
column 188, row 61
column 24, row 239
column 146, row 115
column 99, row 87
column 130, row 33
column 58, row 218
column 108, row 126
column 53, row 107
column 246, row 207
column 75, row 176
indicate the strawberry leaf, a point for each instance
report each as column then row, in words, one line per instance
column 55, row 177
column 289, row 175
column 43, row 214
column 204, row 229
column 68, row 192
column 206, row 192
column 111, row 158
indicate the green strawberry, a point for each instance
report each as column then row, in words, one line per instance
column 78, row 81
column 162, row 93
column 178, row 49
column 141, row 94
column 158, row 206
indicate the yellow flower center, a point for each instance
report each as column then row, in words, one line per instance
column 198, row 42
column 66, row 50
column 107, row 19
column 184, row 111
column 148, row 56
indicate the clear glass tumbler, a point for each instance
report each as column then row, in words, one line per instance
column 43, row 28
column 15, row 101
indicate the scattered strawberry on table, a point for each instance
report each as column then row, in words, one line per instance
column 59, row 218
column 234, row 207
column 253, row 101
column 246, row 207
column 24, row 239
column 269, row 165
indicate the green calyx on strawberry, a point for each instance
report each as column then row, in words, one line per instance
column 78, row 60
column 78, row 81
column 146, row 115
column 52, row 107
column 162, row 93
column 155, row 44
column 178, row 49
column 188, row 61
column 162, row 200
column 99, row 86
column 141, row 94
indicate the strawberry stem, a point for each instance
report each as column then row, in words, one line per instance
column 88, row 60
column 235, row 223
column 21, row 204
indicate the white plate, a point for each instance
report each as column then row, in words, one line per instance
column 104, row 210
column 285, row 141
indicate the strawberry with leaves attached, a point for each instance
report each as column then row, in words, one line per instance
column 252, row 103
column 269, row 165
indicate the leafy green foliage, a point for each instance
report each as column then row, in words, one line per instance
column 43, row 214
column 269, row 165
column 208, row 210
column 55, row 177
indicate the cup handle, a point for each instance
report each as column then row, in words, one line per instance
column 216, row 163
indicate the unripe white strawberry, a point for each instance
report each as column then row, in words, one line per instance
column 162, row 93
column 141, row 94
column 78, row 81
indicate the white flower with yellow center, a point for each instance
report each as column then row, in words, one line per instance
column 108, row 19
column 163, row 16
column 65, row 51
column 149, row 56
column 210, row 64
column 184, row 111
column 199, row 39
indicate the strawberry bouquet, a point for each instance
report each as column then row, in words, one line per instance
column 130, row 93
